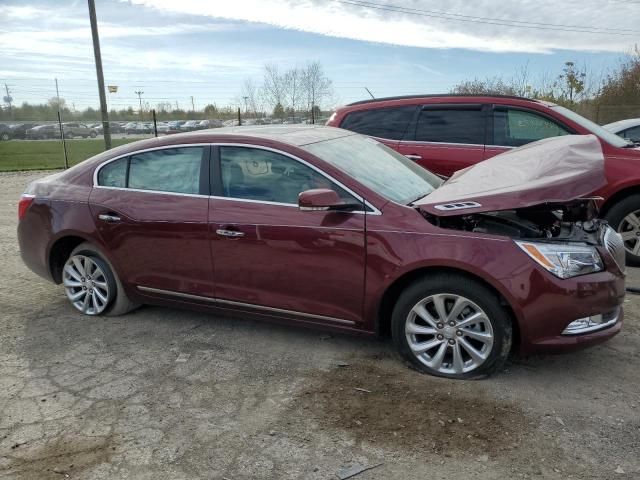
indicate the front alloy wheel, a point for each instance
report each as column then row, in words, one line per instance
column 86, row 284
column 449, row 333
column 629, row 228
column 451, row 325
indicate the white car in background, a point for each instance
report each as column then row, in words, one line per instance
column 629, row 129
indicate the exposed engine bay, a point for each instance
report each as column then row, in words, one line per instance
column 571, row 222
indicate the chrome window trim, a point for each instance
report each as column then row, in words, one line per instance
column 419, row 142
column 221, row 301
column 375, row 211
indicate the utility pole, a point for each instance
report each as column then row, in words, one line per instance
column 193, row 107
column 139, row 93
column 8, row 99
column 64, row 143
column 96, row 53
column 245, row 105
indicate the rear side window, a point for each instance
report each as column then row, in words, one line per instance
column 388, row 123
column 632, row 134
column 514, row 128
column 176, row 170
column 456, row 125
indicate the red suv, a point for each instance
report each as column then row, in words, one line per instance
column 445, row 133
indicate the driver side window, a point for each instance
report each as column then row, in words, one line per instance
column 263, row 175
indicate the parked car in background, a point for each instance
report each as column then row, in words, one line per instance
column 42, row 132
column 114, row 127
column 189, row 125
column 628, row 129
column 5, row 132
column 321, row 226
column 446, row 133
column 19, row 130
column 72, row 130
column 138, row 128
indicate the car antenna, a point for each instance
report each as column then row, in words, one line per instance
column 369, row 92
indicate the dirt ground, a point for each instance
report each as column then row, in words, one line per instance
column 165, row 393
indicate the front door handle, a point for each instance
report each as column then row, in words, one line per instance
column 109, row 217
column 229, row 233
column 414, row 157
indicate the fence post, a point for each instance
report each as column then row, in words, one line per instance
column 64, row 143
column 239, row 118
column 155, row 125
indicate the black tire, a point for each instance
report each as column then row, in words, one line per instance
column 615, row 217
column 459, row 285
column 5, row 137
column 120, row 304
column 93, row 134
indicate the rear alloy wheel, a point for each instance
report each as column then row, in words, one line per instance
column 624, row 216
column 5, row 137
column 93, row 134
column 451, row 326
column 88, row 283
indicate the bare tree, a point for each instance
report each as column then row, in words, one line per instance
column 294, row 88
column 316, row 85
column 273, row 86
column 252, row 96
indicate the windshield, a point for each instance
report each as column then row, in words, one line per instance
column 377, row 167
column 594, row 128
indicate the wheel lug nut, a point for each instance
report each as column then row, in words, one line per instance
column 452, row 323
column 452, row 341
column 440, row 336
column 459, row 333
column 84, row 288
column 440, row 325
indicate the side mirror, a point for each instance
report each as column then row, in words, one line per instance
column 324, row 199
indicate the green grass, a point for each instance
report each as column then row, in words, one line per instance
column 47, row 154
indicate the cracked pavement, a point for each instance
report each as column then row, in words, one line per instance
column 167, row 393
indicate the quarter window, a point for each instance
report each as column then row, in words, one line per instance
column 514, row 128
column 388, row 123
column 263, row 175
column 114, row 174
column 455, row 125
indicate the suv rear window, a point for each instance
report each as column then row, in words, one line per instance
column 451, row 125
column 388, row 123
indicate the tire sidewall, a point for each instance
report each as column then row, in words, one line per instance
column 616, row 214
column 474, row 291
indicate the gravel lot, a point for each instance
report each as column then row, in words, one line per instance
column 164, row 393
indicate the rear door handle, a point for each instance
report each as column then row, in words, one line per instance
column 109, row 217
column 414, row 157
column 229, row 233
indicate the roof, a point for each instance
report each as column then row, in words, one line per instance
column 441, row 95
column 296, row 135
column 620, row 125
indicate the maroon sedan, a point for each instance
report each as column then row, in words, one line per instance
column 320, row 226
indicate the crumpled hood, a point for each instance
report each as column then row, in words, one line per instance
column 553, row 170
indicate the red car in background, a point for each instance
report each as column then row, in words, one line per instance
column 445, row 133
column 321, row 226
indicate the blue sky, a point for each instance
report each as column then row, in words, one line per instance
column 173, row 49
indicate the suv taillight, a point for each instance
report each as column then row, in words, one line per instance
column 24, row 204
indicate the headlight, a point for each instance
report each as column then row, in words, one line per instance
column 564, row 260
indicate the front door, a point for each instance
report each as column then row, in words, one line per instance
column 446, row 138
column 151, row 211
column 269, row 256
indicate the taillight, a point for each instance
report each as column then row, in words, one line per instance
column 23, row 205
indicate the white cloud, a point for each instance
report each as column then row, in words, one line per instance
column 341, row 20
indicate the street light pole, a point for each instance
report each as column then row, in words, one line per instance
column 139, row 93
column 98, row 57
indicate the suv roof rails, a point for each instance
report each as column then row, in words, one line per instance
column 436, row 95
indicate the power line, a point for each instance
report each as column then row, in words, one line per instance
column 488, row 20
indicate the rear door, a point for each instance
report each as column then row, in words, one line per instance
column 151, row 211
column 446, row 137
column 388, row 125
column 511, row 127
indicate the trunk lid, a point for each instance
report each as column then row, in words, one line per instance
column 554, row 170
